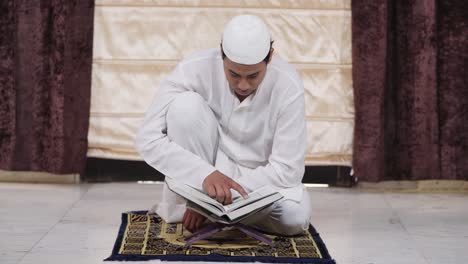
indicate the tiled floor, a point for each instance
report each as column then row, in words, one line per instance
column 44, row 223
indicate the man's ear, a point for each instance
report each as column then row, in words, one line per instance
column 271, row 55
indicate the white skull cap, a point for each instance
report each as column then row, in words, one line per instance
column 246, row 39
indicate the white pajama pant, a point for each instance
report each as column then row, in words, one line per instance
column 192, row 125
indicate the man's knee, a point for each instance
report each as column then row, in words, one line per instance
column 293, row 218
column 184, row 111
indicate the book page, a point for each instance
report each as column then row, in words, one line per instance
column 204, row 197
column 253, row 196
column 211, row 216
column 195, row 196
column 254, row 206
column 254, row 201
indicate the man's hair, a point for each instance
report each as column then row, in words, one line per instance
column 266, row 59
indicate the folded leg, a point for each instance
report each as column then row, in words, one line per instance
column 192, row 125
column 285, row 217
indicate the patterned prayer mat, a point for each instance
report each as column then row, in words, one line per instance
column 144, row 237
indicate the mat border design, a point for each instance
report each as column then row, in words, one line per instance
column 216, row 257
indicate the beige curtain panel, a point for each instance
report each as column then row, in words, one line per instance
column 138, row 42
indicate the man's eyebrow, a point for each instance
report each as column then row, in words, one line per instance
column 233, row 72
column 253, row 74
column 250, row 75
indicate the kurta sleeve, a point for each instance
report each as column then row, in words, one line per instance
column 154, row 145
column 285, row 167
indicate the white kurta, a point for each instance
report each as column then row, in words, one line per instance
column 262, row 139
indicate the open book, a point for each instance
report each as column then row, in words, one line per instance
column 239, row 209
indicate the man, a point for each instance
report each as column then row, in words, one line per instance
column 228, row 121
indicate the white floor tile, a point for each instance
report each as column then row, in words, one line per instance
column 124, row 191
column 65, row 256
column 47, row 223
column 10, row 257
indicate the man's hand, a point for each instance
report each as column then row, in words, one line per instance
column 192, row 220
column 218, row 186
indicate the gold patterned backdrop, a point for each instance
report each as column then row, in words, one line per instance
column 137, row 42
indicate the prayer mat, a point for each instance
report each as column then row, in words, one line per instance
column 144, row 236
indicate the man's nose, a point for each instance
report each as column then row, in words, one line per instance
column 244, row 85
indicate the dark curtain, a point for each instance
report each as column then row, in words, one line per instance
column 410, row 69
column 45, row 80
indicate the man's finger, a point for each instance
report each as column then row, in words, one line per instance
column 220, row 196
column 185, row 217
column 187, row 221
column 192, row 223
column 200, row 221
column 234, row 185
column 211, row 191
column 228, row 198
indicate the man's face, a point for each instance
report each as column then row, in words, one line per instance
column 244, row 79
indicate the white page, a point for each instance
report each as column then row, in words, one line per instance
column 211, row 216
column 254, row 206
column 204, row 197
column 196, row 196
column 253, row 196
column 192, row 194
